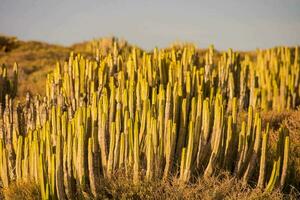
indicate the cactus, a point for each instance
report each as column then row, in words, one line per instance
column 111, row 150
column 255, row 153
column 136, row 163
column 262, row 167
column 19, row 158
column 59, row 168
column 156, row 114
column 286, row 150
column 216, row 140
column 92, row 176
column 7, row 86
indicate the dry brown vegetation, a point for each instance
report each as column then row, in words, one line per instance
column 21, row 190
column 293, row 124
column 36, row 59
column 291, row 119
column 223, row 186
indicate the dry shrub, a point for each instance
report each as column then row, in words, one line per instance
column 120, row 186
column 291, row 120
column 274, row 118
column 22, row 190
column 223, row 186
column 293, row 124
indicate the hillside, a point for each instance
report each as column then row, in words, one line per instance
column 36, row 59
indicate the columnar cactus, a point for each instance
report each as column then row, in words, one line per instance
column 150, row 115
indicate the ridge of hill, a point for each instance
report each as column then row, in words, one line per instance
column 36, row 59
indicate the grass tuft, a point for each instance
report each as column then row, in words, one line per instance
column 22, row 190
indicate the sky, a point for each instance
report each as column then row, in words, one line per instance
column 237, row 24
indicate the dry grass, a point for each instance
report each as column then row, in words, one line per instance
column 290, row 119
column 275, row 118
column 216, row 188
column 35, row 60
column 120, row 187
column 292, row 122
column 21, row 190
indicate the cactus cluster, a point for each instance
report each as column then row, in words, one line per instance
column 7, row 86
column 151, row 115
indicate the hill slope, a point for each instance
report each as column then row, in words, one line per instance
column 36, row 59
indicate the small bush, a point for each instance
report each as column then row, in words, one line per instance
column 22, row 190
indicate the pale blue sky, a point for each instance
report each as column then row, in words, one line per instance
column 242, row 25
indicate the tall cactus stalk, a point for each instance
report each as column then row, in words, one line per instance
column 286, row 150
column 262, row 167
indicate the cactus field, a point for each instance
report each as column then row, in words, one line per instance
column 180, row 113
